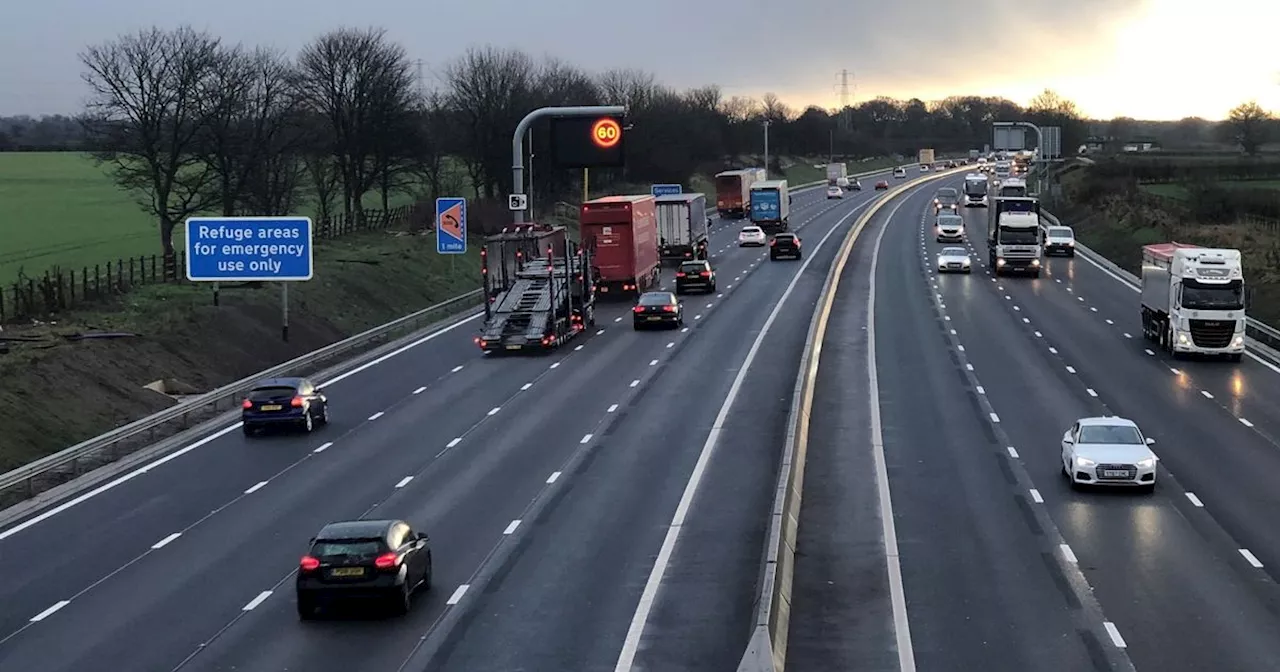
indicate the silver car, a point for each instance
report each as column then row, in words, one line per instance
column 949, row 228
column 1108, row 451
column 954, row 260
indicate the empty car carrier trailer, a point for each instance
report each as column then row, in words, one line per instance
column 538, row 288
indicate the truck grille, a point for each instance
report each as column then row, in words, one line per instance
column 1212, row 333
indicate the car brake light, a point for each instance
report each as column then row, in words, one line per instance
column 680, row 274
column 705, row 274
column 386, row 561
column 296, row 402
column 773, row 242
column 246, row 404
column 309, row 564
column 638, row 309
column 669, row 309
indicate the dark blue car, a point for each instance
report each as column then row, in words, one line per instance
column 284, row 402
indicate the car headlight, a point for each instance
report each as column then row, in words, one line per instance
column 1084, row 462
column 966, row 262
column 1147, row 463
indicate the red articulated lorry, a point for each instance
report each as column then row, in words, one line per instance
column 622, row 234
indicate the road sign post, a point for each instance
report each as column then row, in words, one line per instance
column 517, row 138
column 251, row 249
column 451, row 225
column 666, row 189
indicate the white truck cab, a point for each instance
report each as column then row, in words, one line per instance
column 1193, row 299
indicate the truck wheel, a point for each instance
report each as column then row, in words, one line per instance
column 1235, row 356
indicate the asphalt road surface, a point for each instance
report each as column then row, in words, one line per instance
column 547, row 485
column 1003, row 566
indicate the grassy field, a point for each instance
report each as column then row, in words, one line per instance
column 61, row 209
column 1180, row 192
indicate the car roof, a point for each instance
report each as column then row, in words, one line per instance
column 279, row 382
column 356, row 529
column 1107, row 421
column 954, row 249
column 665, row 295
column 785, row 235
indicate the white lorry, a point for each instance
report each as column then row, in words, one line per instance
column 1013, row 235
column 925, row 158
column 1193, row 299
column 837, row 175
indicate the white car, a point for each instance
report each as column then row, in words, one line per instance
column 954, row 260
column 1060, row 239
column 899, row 173
column 1108, row 451
column 939, row 168
column 752, row 236
column 948, row 227
column 835, row 192
column 924, row 167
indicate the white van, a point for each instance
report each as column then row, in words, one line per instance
column 899, row 172
column 1060, row 239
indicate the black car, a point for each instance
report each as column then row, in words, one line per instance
column 364, row 560
column 854, row 184
column 658, row 309
column 784, row 245
column 695, row 275
column 284, row 402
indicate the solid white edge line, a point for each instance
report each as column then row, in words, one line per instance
column 253, row 604
column 165, row 542
column 456, row 597
column 50, row 611
column 114, row 483
column 631, row 644
column 1114, row 632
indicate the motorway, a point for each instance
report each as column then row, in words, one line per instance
column 548, row 486
column 1002, row 565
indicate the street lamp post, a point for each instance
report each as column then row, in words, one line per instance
column 766, row 148
column 1039, row 159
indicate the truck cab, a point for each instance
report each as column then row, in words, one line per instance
column 1013, row 235
column 1193, row 300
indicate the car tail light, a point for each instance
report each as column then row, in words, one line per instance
column 669, row 309
column 386, row 561
column 246, row 404
column 705, row 274
column 309, row 564
column 296, row 402
column 680, row 274
column 773, row 242
column 638, row 309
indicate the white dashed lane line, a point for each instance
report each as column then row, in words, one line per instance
column 50, row 611
column 256, row 487
column 253, row 604
column 511, row 527
column 166, row 541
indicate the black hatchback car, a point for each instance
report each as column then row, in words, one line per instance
column 784, row 245
column 695, row 275
column 657, row 309
column 364, row 560
column 284, row 402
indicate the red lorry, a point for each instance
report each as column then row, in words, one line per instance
column 622, row 232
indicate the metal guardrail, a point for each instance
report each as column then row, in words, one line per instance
column 111, row 446
column 1261, row 333
column 72, row 461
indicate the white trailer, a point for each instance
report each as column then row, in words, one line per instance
column 682, row 226
column 1193, row 300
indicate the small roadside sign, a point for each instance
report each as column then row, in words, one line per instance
column 518, row 202
column 666, row 189
column 451, row 225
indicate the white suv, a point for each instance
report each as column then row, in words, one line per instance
column 899, row 173
column 1060, row 239
column 752, row 236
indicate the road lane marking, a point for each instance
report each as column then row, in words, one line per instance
column 454, row 442
column 556, row 365
column 1206, row 394
column 586, row 438
column 981, row 390
column 1053, row 350
column 612, row 408
column 1091, row 392
column 1195, row 501
column 456, row 369
column 1114, row 633
column 522, row 389
column 1013, row 452
column 511, row 527
column 1035, row 496
column 377, row 415
column 555, row 475
column 165, row 542
column 420, row 390
column 253, row 604
column 994, row 417
column 1253, row 560
column 50, row 611
column 1071, row 369
column 403, row 482
column 634, row 383
column 260, row 485
column 495, row 409
column 1246, row 423
column 1148, row 351
column 1068, row 554
column 323, row 447
column 456, row 597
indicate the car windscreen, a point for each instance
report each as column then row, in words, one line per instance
column 751, row 229
column 950, row 221
column 785, row 239
column 1060, row 232
column 346, row 549
column 658, row 299
column 947, row 194
column 1113, row 434
column 277, row 392
column 954, row 252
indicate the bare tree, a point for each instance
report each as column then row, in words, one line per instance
column 360, row 85
column 224, row 142
column 146, row 114
column 272, row 122
column 490, row 90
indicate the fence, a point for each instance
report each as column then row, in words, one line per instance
column 59, row 289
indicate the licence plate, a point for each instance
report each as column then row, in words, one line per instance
column 655, row 319
column 270, row 407
column 348, row 571
column 1115, row 473
column 513, row 347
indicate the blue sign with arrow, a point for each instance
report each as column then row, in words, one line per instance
column 451, row 225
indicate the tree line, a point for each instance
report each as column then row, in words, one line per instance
column 190, row 124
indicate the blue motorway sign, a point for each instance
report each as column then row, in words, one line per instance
column 666, row 189
column 249, row 249
column 451, row 225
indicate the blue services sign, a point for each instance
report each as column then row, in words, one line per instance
column 765, row 206
column 451, row 225
column 666, row 189
column 249, row 249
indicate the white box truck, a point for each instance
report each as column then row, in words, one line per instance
column 682, row 226
column 1013, row 235
column 1193, row 299
column 837, row 172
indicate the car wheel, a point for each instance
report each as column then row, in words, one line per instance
column 1149, row 489
column 306, row 609
column 426, row 578
column 402, row 600
column 324, row 414
column 308, row 422
column 248, row 431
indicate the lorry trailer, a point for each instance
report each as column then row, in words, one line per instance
column 682, row 226
column 925, row 157
column 1013, row 235
column 538, row 287
column 835, row 173
column 733, row 191
column 622, row 234
column 770, row 205
column 1193, row 300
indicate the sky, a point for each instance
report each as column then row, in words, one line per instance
column 1149, row 59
